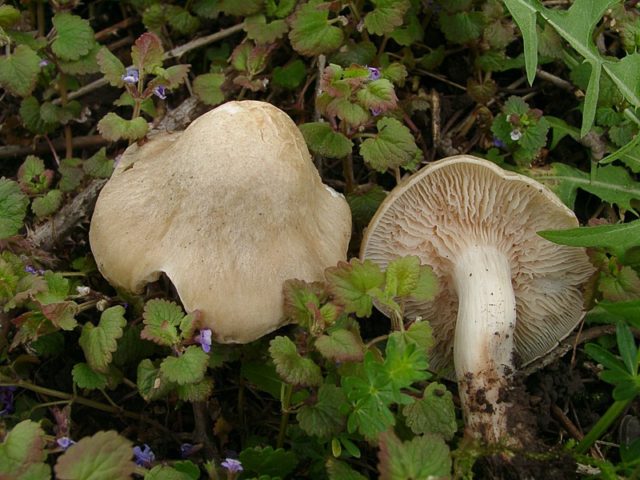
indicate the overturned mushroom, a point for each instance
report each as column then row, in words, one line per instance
column 228, row 210
column 506, row 293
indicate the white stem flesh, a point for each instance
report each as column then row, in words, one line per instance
column 484, row 339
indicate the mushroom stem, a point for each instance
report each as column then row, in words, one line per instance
column 484, row 339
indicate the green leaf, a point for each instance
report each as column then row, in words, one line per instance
column 351, row 113
column 405, row 363
column 99, row 343
column 103, row 456
column 402, row 276
column 30, row 114
column 196, row 392
column 627, row 347
column 325, row 141
column 161, row 319
column 62, row 314
column 433, row 413
column 171, row 77
column 111, row 67
column 421, row 334
column 13, row 208
column 72, row 174
column 621, row 239
column 19, row 71
column 606, row 358
column 378, row 95
column 84, row 65
column 259, row 30
column 339, row 470
column 240, row 9
column 85, row 377
column 411, row 33
column 393, row 147
column 8, row 16
column 47, row 204
column 462, row 27
column 162, row 472
column 151, row 384
column 22, row 453
column 74, row 36
column 291, row 75
column 99, row 165
column 187, row 368
column 341, row 345
column 183, row 22
column 525, row 16
column 619, row 285
column 612, row 184
column 147, row 52
column 113, row 127
column 324, row 417
column 57, row 289
column 291, row 366
column 421, row 457
column 386, row 16
column 208, row 88
column 267, row 461
column 354, row 283
column 311, row 32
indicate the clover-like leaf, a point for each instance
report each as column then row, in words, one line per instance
column 324, row 417
column 393, row 147
column 47, row 204
column 325, row 141
column 187, row 368
column 311, row 31
column 341, row 345
column 74, row 36
column 426, row 456
column 433, row 413
column 354, row 283
column 147, row 52
column 291, row 366
column 111, row 67
column 386, row 16
column 103, row 456
column 113, row 127
column 85, row 377
column 19, row 71
column 99, row 343
column 259, row 30
column 208, row 88
column 13, row 208
column 22, row 452
column 161, row 319
column 99, row 165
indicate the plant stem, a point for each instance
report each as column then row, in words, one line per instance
column 284, row 420
column 68, row 136
column 602, row 425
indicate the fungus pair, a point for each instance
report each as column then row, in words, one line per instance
column 229, row 220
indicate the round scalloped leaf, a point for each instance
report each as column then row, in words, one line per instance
column 22, row 452
column 386, row 16
column 113, row 127
column 47, row 204
column 325, row 141
column 84, row 377
column 103, row 456
column 208, row 88
column 19, row 71
column 13, row 208
column 311, row 33
column 187, row 368
column 74, row 36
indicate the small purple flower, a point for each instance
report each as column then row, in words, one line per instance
column 43, row 63
column 186, row 449
column 375, row 111
column 6, row 400
column 143, row 456
column 232, row 465
column 65, row 442
column 498, row 143
column 160, row 92
column 131, row 76
column 374, row 73
column 204, row 339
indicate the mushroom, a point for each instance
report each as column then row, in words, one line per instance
column 507, row 295
column 228, row 209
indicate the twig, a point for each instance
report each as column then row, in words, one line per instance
column 557, row 81
column 11, row 151
column 568, row 425
column 127, row 22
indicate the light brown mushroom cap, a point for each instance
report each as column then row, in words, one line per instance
column 462, row 201
column 228, row 209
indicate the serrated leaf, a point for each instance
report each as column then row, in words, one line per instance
column 111, row 67
column 433, row 413
column 208, row 88
column 267, row 461
column 620, row 285
column 57, row 289
column 365, row 203
column 347, row 111
column 311, row 33
column 85, row 377
column 402, row 276
column 299, row 297
column 279, row 8
column 163, row 472
column 291, row 75
column 22, row 453
column 394, row 146
column 341, row 345
column 19, row 71
column 291, row 366
column 161, row 319
column 421, row 457
column 183, row 22
column 325, row 141
column 61, row 314
column 171, row 77
column 13, row 208
column 324, row 417
column 147, row 52
column 354, row 283
column 385, row 16
column 151, row 384
column 244, row 8
column 99, row 165
column 187, row 368
column 259, row 30
column 195, row 392
column 421, row 334
column 378, row 95
column 30, row 115
column 99, row 343
column 462, row 27
column 339, row 470
column 404, row 362
column 47, row 204
column 74, row 36
column 103, row 456
column 113, row 127
column 8, row 16
column 84, row 65
column 410, row 33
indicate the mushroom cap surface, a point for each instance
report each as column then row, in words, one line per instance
column 463, row 201
column 228, row 209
